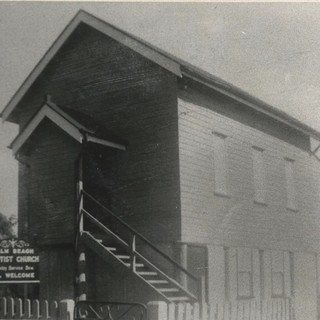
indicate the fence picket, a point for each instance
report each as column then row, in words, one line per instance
column 54, row 310
column 219, row 311
column 44, row 310
column 27, row 308
column 188, row 315
column 180, row 309
column 278, row 312
column 246, row 310
column 10, row 305
column 258, row 310
column 35, row 309
column 252, row 309
column 204, row 312
column 3, row 308
column 227, row 312
column 287, row 310
column 212, row 312
column 18, row 309
column 171, row 311
column 196, row 311
column 270, row 310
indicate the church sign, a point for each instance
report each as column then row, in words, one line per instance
column 19, row 262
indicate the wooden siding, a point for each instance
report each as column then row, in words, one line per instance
column 235, row 219
column 57, row 273
column 135, row 99
column 49, row 185
column 222, row 104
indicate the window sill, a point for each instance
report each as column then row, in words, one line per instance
column 222, row 194
column 245, row 297
column 260, row 203
column 278, row 296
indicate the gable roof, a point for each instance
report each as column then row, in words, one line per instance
column 74, row 126
column 169, row 62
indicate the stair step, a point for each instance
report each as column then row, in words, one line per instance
column 147, row 273
column 111, row 248
column 158, row 281
column 139, row 265
column 168, row 289
column 124, row 257
column 174, row 299
column 99, row 240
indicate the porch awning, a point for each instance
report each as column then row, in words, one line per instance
column 79, row 126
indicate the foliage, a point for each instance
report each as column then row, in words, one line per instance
column 7, row 226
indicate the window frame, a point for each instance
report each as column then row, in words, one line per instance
column 220, row 164
column 250, row 273
column 290, row 184
column 259, row 175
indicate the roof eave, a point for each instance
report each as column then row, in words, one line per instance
column 243, row 97
column 62, row 120
column 174, row 65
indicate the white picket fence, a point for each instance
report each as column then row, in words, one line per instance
column 275, row 309
column 35, row 309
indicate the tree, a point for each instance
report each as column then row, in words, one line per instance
column 7, row 231
column 7, row 226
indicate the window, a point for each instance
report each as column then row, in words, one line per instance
column 220, row 165
column 277, row 274
column 244, row 273
column 259, row 181
column 290, row 187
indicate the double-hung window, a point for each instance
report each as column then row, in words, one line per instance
column 244, row 273
column 290, row 184
column 259, row 179
column 220, row 164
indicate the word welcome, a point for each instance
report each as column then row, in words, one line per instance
column 19, row 262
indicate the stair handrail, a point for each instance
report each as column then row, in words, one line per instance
column 140, row 236
column 136, row 254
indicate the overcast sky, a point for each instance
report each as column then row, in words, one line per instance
column 271, row 50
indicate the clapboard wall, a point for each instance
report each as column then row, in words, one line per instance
column 47, row 208
column 136, row 100
column 234, row 218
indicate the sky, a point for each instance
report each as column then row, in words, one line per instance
column 271, row 50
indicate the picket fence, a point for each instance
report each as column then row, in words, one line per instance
column 275, row 309
column 36, row 310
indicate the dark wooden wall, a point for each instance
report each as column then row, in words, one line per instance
column 47, row 206
column 135, row 99
column 48, row 190
column 57, row 273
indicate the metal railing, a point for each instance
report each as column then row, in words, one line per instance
column 95, row 310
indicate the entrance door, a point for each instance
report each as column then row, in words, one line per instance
column 97, row 176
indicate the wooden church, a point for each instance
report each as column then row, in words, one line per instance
column 144, row 178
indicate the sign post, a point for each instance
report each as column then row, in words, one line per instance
column 19, row 262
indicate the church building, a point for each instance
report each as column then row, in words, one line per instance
column 142, row 177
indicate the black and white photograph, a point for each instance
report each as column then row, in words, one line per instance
column 159, row 160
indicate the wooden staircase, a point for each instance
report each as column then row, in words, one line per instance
column 124, row 247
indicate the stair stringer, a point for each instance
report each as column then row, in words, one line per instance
column 108, row 256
